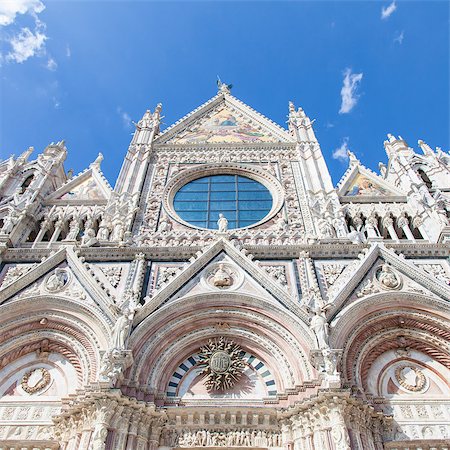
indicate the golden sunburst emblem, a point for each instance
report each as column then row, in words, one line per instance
column 221, row 361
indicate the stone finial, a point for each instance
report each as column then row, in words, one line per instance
column 353, row 160
column 426, row 149
column 223, row 88
column 96, row 163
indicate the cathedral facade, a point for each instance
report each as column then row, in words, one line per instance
column 224, row 294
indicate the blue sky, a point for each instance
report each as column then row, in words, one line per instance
column 82, row 70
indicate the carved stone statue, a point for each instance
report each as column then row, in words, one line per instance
column 118, row 232
column 372, row 227
column 74, row 229
column 319, row 324
column 222, row 278
column 326, row 229
column 103, row 230
column 121, row 329
column 222, row 223
column 89, row 238
column 164, row 225
column 10, row 221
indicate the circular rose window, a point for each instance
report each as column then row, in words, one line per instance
column 242, row 201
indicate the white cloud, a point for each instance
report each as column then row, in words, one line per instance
column 56, row 103
column 348, row 91
column 52, row 65
column 341, row 153
column 68, row 51
column 126, row 119
column 387, row 11
column 10, row 8
column 399, row 38
column 26, row 44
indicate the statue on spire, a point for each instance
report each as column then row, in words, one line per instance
column 223, row 87
column 150, row 120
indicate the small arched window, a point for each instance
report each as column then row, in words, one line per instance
column 28, row 180
column 425, row 178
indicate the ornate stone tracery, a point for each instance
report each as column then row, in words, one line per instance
column 324, row 325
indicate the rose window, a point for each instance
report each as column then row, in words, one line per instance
column 241, row 200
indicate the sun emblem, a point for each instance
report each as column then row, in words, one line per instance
column 221, row 361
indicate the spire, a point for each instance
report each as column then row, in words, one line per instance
column 427, row 150
column 150, row 120
column 395, row 145
column 97, row 162
column 223, row 88
column 353, row 160
column 23, row 158
column 300, row 123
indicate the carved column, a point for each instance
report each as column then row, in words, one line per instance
column 403, row 223
column 45, row 225
column 133, row 431
column 59, row 225
column 339, row 433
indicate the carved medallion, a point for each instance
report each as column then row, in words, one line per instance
column 388, row 278
column 222, row 363
column 222, row 276
column 57, row 281
column 410, row 378
column 35, row 380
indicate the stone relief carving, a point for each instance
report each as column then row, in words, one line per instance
column 436, row 271
column 165, row 274
column 15, row 272
column 331, row 272
column 35, row 380
column 222, row 276
column 277, row 272
column 57, row 281
column 226, row 438
column 411, row 378
column 384, row 279
column 113, row 274
column 388, row 278
column 222, row 363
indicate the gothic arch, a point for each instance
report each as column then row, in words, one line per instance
column 382, row 323
column 61, row 325
column 175, row 335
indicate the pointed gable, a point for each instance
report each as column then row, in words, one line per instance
column 89, row 186
column 361, row 183
column 364, row 277
column 224, row 120
column 235, row 262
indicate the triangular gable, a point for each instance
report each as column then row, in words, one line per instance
column 349, row 282
column 77, row 267
column 361, row 183
column 196, row 265
column 89, row 185
column 225, row 120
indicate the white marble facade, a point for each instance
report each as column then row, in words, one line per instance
column 322, row 324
